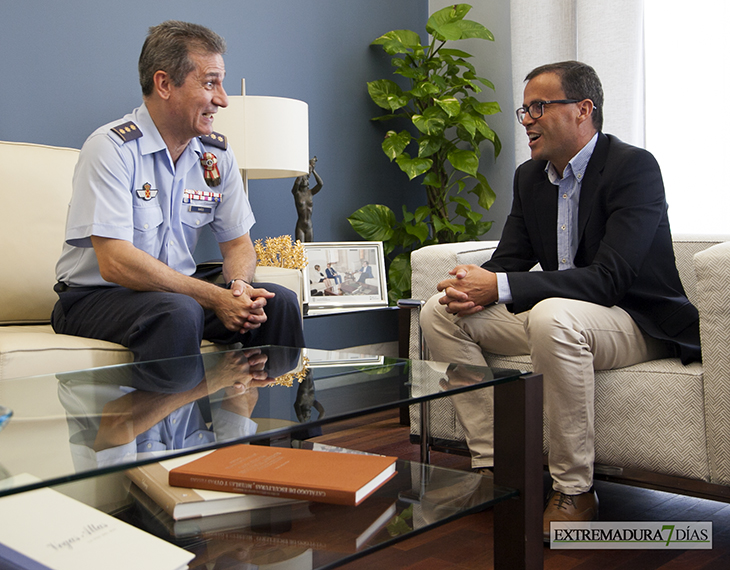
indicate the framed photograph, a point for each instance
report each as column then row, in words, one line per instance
column 345, row 274
column 329, row 358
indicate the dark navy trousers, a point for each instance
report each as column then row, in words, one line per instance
column 157, row 325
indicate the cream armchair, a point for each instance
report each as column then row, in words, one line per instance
column 658, row 422
column 35, row 188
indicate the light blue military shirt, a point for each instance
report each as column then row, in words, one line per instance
column 132, row 191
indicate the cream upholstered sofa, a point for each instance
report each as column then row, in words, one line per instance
column 658, row 423
column 35, row 188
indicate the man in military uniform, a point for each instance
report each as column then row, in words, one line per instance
column 144, row 188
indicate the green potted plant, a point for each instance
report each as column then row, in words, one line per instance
column 446, row 126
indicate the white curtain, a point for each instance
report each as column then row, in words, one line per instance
column 606, row 34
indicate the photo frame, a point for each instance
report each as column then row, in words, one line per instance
column 345, row 274
column 333, row 358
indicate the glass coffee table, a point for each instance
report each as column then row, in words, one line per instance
column 85, row 428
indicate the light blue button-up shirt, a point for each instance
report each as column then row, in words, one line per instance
column 569, row 186
column 133, row 191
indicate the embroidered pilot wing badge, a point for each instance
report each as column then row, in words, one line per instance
column 147, row 192
column 127, row 131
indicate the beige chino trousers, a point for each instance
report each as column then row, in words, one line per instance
column 566, row 340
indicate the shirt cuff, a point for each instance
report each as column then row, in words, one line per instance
column 503, row 289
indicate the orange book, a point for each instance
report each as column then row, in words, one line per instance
column 339, row 478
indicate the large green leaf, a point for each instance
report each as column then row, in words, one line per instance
column 488, row 108
column 489, row 134
column 387, row 94
column 420, row 231
column 424, row 89
column 422, row 212
column 386, row 117
column 463, row 201
column 395, row 143
column 399, row 41
column 413, row 166
column 374, row 222
column 441, row 24
column 438, row 223
column 431, row 122
column 399, row 277
column 469, row 122
column 448, row 31
column 483, row 191
column 470, row 29
column 415, row 73
column 402, row 238
column 450, row 105
column 428, row 145
column 486, row 82
column 454, row 52
column 464, row 160
column 474, row 230
column 432, row 179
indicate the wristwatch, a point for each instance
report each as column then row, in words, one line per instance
column 232, row 281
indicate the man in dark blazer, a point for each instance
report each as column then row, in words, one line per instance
column 591, row 211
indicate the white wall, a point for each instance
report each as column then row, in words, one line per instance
column 687, row 84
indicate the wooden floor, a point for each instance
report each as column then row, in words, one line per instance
column 467, row 543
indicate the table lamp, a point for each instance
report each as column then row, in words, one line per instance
column 268, row 135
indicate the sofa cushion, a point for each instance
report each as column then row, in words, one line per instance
column 36, row 181
column 651, row 416
column 32, row 350
column 713, row 296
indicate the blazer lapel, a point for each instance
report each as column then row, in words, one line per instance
column 591, row 183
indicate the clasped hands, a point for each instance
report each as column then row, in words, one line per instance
column 242, row 307
column 238, row 372
column 471, row 289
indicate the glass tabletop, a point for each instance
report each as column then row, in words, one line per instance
column 74, row 425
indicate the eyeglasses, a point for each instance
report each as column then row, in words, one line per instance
column 535, row 108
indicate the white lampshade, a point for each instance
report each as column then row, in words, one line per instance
column 268, row 135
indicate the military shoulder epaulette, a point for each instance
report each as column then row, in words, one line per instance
column 127, row 131
column 215, row 139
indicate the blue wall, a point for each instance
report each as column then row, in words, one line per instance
column 69, row 66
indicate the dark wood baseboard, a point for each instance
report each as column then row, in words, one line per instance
column 660, row 482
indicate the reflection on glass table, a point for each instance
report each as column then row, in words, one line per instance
column 79, row 424
column 5, row 414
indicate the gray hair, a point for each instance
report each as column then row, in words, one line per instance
column 168, row 47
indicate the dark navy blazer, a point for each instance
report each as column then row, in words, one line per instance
column 625, row 255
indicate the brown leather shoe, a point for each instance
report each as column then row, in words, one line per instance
column 567, row 508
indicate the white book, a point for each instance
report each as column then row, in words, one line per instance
column 46, row 530
column 182, row 503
